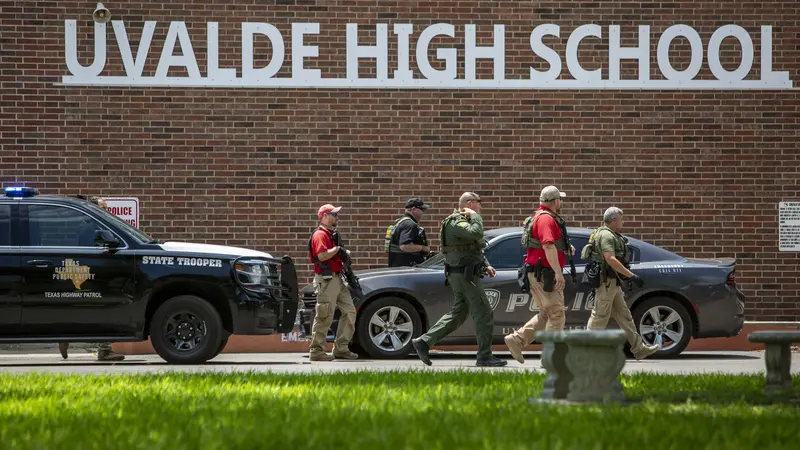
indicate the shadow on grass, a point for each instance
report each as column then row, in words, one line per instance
column 707, row 398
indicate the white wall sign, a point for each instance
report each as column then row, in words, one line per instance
column 789, row 226
column 126, row 208
column 247, row 75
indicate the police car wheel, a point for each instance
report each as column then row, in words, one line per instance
column 186, row 330
column 386, row 326
column 665, row 322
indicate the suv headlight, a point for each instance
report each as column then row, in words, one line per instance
column 254, row 273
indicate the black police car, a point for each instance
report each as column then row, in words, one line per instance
column 71, row 271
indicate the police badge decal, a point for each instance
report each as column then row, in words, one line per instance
column 493, row 296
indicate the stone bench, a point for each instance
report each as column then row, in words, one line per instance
column 778, row 357
column 583, row 365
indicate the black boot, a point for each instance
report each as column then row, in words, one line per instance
column 422, row 350
column 491, row 361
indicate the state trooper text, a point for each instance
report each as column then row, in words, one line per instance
column 181, row 261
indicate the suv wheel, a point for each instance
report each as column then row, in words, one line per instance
column 664, row 321
column 186, row 330
column 386, row 327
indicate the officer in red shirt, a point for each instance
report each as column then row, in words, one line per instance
column 330, row 289
column 547, row 247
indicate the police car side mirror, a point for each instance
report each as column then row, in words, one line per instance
column 106, row 239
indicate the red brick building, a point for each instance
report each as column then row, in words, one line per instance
column 229, row 145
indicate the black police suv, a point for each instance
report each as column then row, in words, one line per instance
column 71, row 271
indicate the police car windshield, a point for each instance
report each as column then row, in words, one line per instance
column 135, row 233
column 434, row 262
column 437, row 261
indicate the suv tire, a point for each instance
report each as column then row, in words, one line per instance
column 186, row 330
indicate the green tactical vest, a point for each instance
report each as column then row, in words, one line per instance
column 621, row 250
column 528, row 241
column 460, row 249
column 387, row 241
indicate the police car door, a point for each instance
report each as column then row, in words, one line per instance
column 506, row 256
column 10, row 271
column 72, row 287
column 578, row 298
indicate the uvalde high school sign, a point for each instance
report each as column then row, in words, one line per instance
column 249, row 76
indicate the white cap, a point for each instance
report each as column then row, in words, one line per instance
column 551, row 193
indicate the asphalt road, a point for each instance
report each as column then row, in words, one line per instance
column 83, row 362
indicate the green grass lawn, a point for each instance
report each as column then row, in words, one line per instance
column 382, row 410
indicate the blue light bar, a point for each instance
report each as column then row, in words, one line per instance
column 21, row 191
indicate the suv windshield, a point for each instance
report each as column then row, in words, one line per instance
column 140, row 236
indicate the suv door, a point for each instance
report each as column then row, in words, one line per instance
column 10, row 272
column 72, row 286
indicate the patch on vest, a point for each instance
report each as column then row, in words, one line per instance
column 493, row 296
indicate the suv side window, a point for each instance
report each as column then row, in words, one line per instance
column 506, row 254
column 58, row 226
column 5, row 225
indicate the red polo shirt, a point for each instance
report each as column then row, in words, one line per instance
column 546, row 230
column 321, row 241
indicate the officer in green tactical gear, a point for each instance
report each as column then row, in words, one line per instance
column 609, row 249
column 462, row 243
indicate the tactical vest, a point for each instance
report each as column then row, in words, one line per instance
column 314, row 259
column 387, row 240
column 528, row 241
column 621, row 250
column 474, row 246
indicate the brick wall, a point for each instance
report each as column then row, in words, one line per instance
column 697, row 172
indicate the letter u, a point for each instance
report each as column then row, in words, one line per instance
column 71, row 50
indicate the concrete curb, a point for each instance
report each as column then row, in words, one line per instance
column 291, row 343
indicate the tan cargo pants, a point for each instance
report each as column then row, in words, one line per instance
column 551, row 313
column 610, row 302
column 331, row 294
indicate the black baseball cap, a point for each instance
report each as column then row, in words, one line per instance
column 417, row 202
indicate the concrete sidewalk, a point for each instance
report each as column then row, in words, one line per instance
column 690, row 362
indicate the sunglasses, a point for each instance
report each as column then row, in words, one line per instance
column 333, row 214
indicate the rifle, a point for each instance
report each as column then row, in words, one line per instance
column 347, row 268
column 569, row 255
column 425, row 243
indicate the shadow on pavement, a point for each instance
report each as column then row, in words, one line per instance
column 538, row 356
column 143, row 362
column 713, row 356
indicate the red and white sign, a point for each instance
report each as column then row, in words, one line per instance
column 126, row 208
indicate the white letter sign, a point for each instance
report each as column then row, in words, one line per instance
column 126, row 208
column 394, row 47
